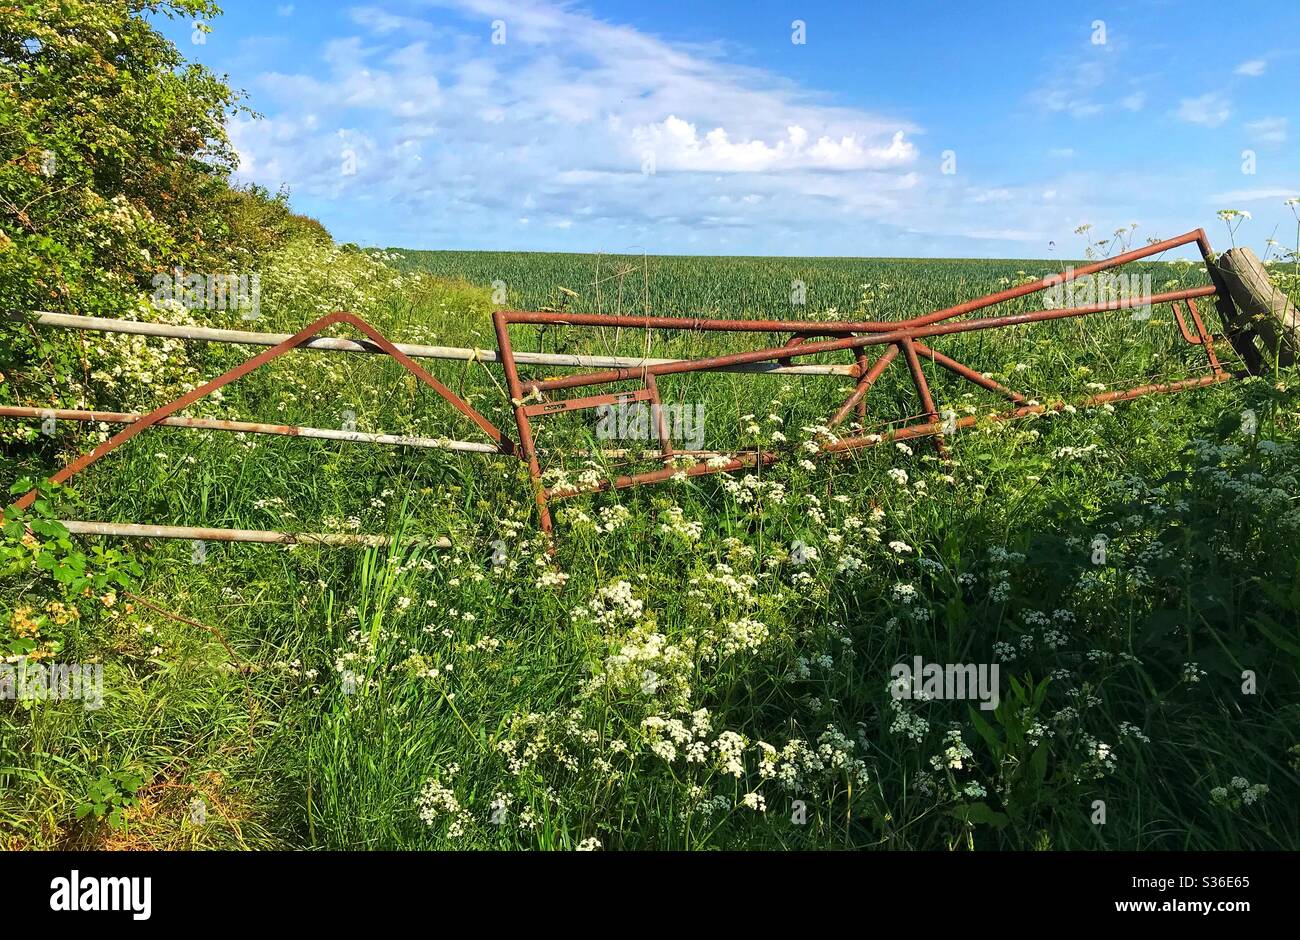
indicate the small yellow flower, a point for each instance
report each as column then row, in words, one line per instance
column 23, row 624
column 61, row 614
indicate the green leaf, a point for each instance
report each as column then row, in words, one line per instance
column 979, row 813
column 51, row 528
column 1038, row 763
column 986, row 731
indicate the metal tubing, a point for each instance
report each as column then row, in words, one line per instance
column 1188, row 335
column 860, row 326
column 853, row 342
column 868, row 379
column 196, row 533
column 249, row 427
column 966, row 372
column 243, row 369
column 1206, row 339
column 414, row 350
column 922, row 389
column 1243, row 341
column 929, row 428
column 525, row 428
column 661, row 423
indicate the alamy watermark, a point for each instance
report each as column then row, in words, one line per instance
column 78, row 892
column 239, row 292
column 949, row 681
column 637, row 421
column 1066, row 290
column 26, row 681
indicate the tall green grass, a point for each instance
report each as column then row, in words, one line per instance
column 363, row 680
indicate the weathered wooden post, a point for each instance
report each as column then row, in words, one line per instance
column 1262, row 307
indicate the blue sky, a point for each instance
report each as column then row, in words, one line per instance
column 925, row 128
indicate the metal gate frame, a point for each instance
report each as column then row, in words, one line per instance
column 529, row 402
column 898, row 337
column 162, row 414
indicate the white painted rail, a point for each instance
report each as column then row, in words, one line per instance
column 249, row 427
column 197, row 533
column 414, row 350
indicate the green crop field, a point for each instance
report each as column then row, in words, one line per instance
column 747, row 287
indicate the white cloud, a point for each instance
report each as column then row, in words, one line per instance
column 985, row 196
column 1209, row 110
column 1269, row 130
column 441, row 119
column 381, row 22
column 1251, row 195
column 1005, row 235
column 1252, row 67
column 540, row 142
column 677, row 145
column 1080, row 83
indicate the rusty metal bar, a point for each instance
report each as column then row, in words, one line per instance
column 1242, row 341
column 592, row 401
column 853, row 342
column 250, row 427
column 930, row 428
column 661, row 423
column 966, row 372
column 860, row 326
column 1206, row 339
column 868, row 379
column 525, row 428
column 922, row 388
column 1188, row 335
column 863, row 362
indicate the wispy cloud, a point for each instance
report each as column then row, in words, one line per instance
column 1082, row 83
column 571, row 117
column 1074, row 85
column 1209, row 110
column 1134, row 102
column 1252, row 67
column 413, row 126
column 1224, row 200
column 1269, row 130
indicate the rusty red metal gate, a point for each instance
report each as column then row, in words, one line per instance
column 902, row 337
column 893, row 339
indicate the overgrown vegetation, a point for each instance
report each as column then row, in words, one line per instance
column 705, row 664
